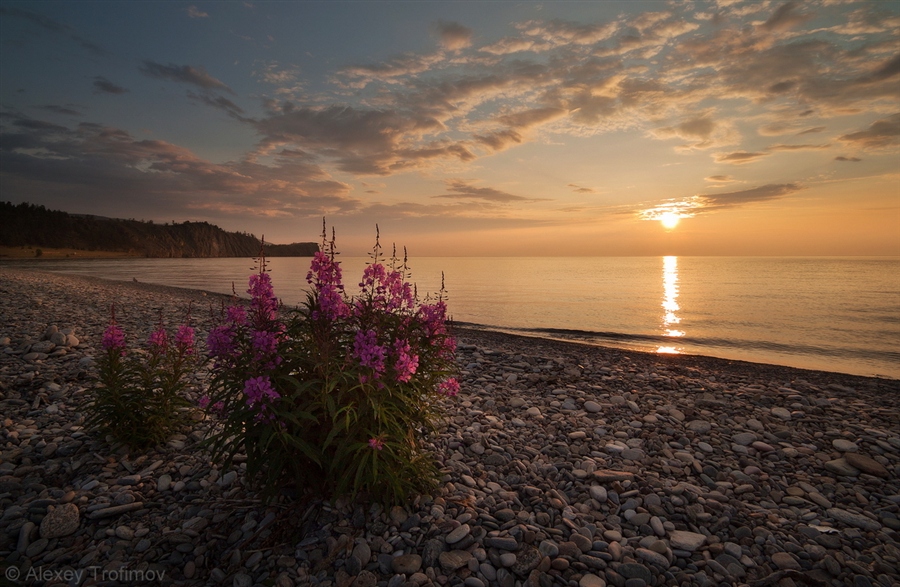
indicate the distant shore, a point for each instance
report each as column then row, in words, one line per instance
column 31, row 253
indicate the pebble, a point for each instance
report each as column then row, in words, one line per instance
column 562, row 464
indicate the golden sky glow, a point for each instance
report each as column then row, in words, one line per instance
column 726, row 127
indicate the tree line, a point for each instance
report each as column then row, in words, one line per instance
column 30, row 225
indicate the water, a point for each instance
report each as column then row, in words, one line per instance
column 835, row 314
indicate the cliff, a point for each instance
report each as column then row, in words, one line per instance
column 30, row 225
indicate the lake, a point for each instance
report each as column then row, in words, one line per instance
column 828, row 313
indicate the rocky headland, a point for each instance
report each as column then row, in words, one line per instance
column 564, row 464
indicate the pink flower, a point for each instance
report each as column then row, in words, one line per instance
column 114, row 338
column 368, row 351
column 263, row 304
column 184, row 339
column 258, row 389
column 220, row 342
column 203, row 401
column 406, row 363
column 265, row 346
column 158, row 340
column 450, row 387
column 435, row 318
column 236, row 315
column 376, row 443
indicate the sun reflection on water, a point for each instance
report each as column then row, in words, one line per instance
column 670, row 304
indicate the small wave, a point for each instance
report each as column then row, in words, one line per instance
column 698, row 343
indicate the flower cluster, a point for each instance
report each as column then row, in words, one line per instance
column 113, row 338
column 184, row 339
column 247, row 345
column 367, row 350
column 139, row 395
column 325, row 276
column 334, row 397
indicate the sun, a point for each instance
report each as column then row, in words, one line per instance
column 669, row 220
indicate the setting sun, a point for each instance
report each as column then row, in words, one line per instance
column 669, row 220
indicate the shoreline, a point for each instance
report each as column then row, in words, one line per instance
column 487, row 329
column 564, row 464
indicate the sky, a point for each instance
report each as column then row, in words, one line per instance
column 463, row 128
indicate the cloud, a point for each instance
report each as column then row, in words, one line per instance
column 785, row 17
column 194, row 12
column 742, row 197
column 274, row 73
column 361, row 141
column 812, row 130
column 183, row 74
column 396, row 67
column 797, row 147
column 739, row 157
column 500, row 140
column 701, row 132
column 581, row 190
column 558, row 32
column 637, row 72
column 453, row 36
column 106, row 168
column 719, row 178
column 54, row 27
column 61, row 110
column 881, row 134
column 221, row 103
column 530, row 118
column 706, row 203
column 849, row 159
column 886, row 71
column 101, row 84
column 463, row 189
column 508, row 46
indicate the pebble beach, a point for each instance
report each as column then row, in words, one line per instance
column 563, row 465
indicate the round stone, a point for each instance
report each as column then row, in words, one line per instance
column 60, row 521
column 844, row 445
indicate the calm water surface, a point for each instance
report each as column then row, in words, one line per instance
column 836, row 314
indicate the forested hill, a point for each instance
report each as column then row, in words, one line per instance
column 25, row 225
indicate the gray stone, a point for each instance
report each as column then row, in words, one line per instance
column 607, row 476
column 842, row 467
column 599, row 493
column 654, row 558
column 591, row 580
column 785, row 561
column 866, row 464
column 527, row 559
column 855, row 520
column 407, row 564
column 745, row 438
column 635, row 571
column 699, row 426
column 452, row 560
column 548, row 548
column 684, row 540
column 458, row 534
column 502, row 542
column 592, row 407
column 782, row 413
column 60, row 521
column 844, row 445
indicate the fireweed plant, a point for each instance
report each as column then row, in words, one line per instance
column 140, row 394
column 337, row 396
